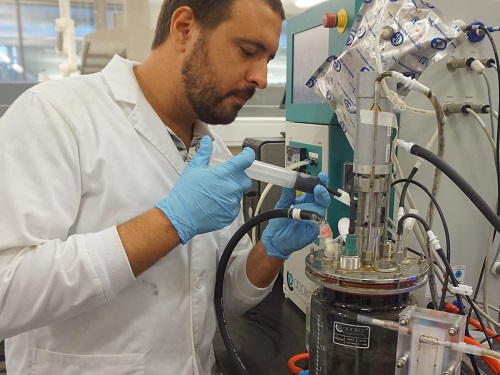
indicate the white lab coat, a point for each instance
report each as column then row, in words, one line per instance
column 79, row 156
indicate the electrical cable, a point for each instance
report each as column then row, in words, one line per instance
column 486, row 316
column 221, row 270
column 475, row 198
column 480, row 121
column 391, row 95
column 406, row 185
column 497, row 164
column 459, row 181
column 490, row 103
column 409, row 181
column 495, row 337
column 418, row 234
column 454, row 282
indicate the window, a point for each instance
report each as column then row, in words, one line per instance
column 28, row 35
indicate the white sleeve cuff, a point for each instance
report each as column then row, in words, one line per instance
column 243, row 286
column 110, row 261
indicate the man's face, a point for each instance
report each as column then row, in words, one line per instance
column 227, row 64
column 203, row 88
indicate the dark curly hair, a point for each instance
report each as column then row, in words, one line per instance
column 210, row 13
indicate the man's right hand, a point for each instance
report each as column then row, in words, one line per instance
column 207, row 199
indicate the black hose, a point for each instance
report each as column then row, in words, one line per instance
column 406, row 185
column 221, row 270
column 409, row 181
column 454, row 282
column 414, row 216
column 466, row 188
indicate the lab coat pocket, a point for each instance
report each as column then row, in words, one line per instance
column 45, row 362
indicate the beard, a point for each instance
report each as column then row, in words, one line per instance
column 202, row 91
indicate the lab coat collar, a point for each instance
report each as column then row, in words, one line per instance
column 121, row 80
column 120, row 77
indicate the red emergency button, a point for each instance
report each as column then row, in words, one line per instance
column 329, row 20
column 338, row 20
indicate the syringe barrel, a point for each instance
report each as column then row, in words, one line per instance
column 274, row 174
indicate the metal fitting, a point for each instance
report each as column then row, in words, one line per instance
column 350, row 263
column 403, row 322
column 455, row 63
column 495, row 270
column 452, row 331
column 400, row 363
column 488, row 62
column 452, row 107
column 479, row 108
column 311, row 253
column 387, row 32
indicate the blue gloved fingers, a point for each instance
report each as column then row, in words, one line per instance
column 321, row 196
column 287, row 198
column 323, row 177
column 244, row 159
column 235, row 167
column 282, row 237
column 309, row 198
column 202, row 156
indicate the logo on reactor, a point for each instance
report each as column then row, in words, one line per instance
column 289, row 280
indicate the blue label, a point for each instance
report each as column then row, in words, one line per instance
column 347, row 104
column 331, row 58
column 365, row 69
column 310, row 82
column 350, row 39
column 439, row 44
column 337, row 66
column 361, row 31
column 367, row 1
column 428, row 5
column 397, row 39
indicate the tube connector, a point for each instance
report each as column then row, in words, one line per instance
column 488, row 63
column 480, row 108
column 465, row 290
column 452, row 107
column 405, row 145
column 433, row 241
column 410, row 83
column 477, row 67
column 399, row 215
column 455, row 63
column 410, row 222
column 344, row 197
column 495, row 269
column 387, row 32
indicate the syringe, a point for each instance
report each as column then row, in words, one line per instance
column 274, row 174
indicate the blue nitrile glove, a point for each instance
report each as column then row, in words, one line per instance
column 284, row 236
column 206, row 199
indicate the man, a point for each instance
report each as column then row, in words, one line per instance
column 110, row 233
